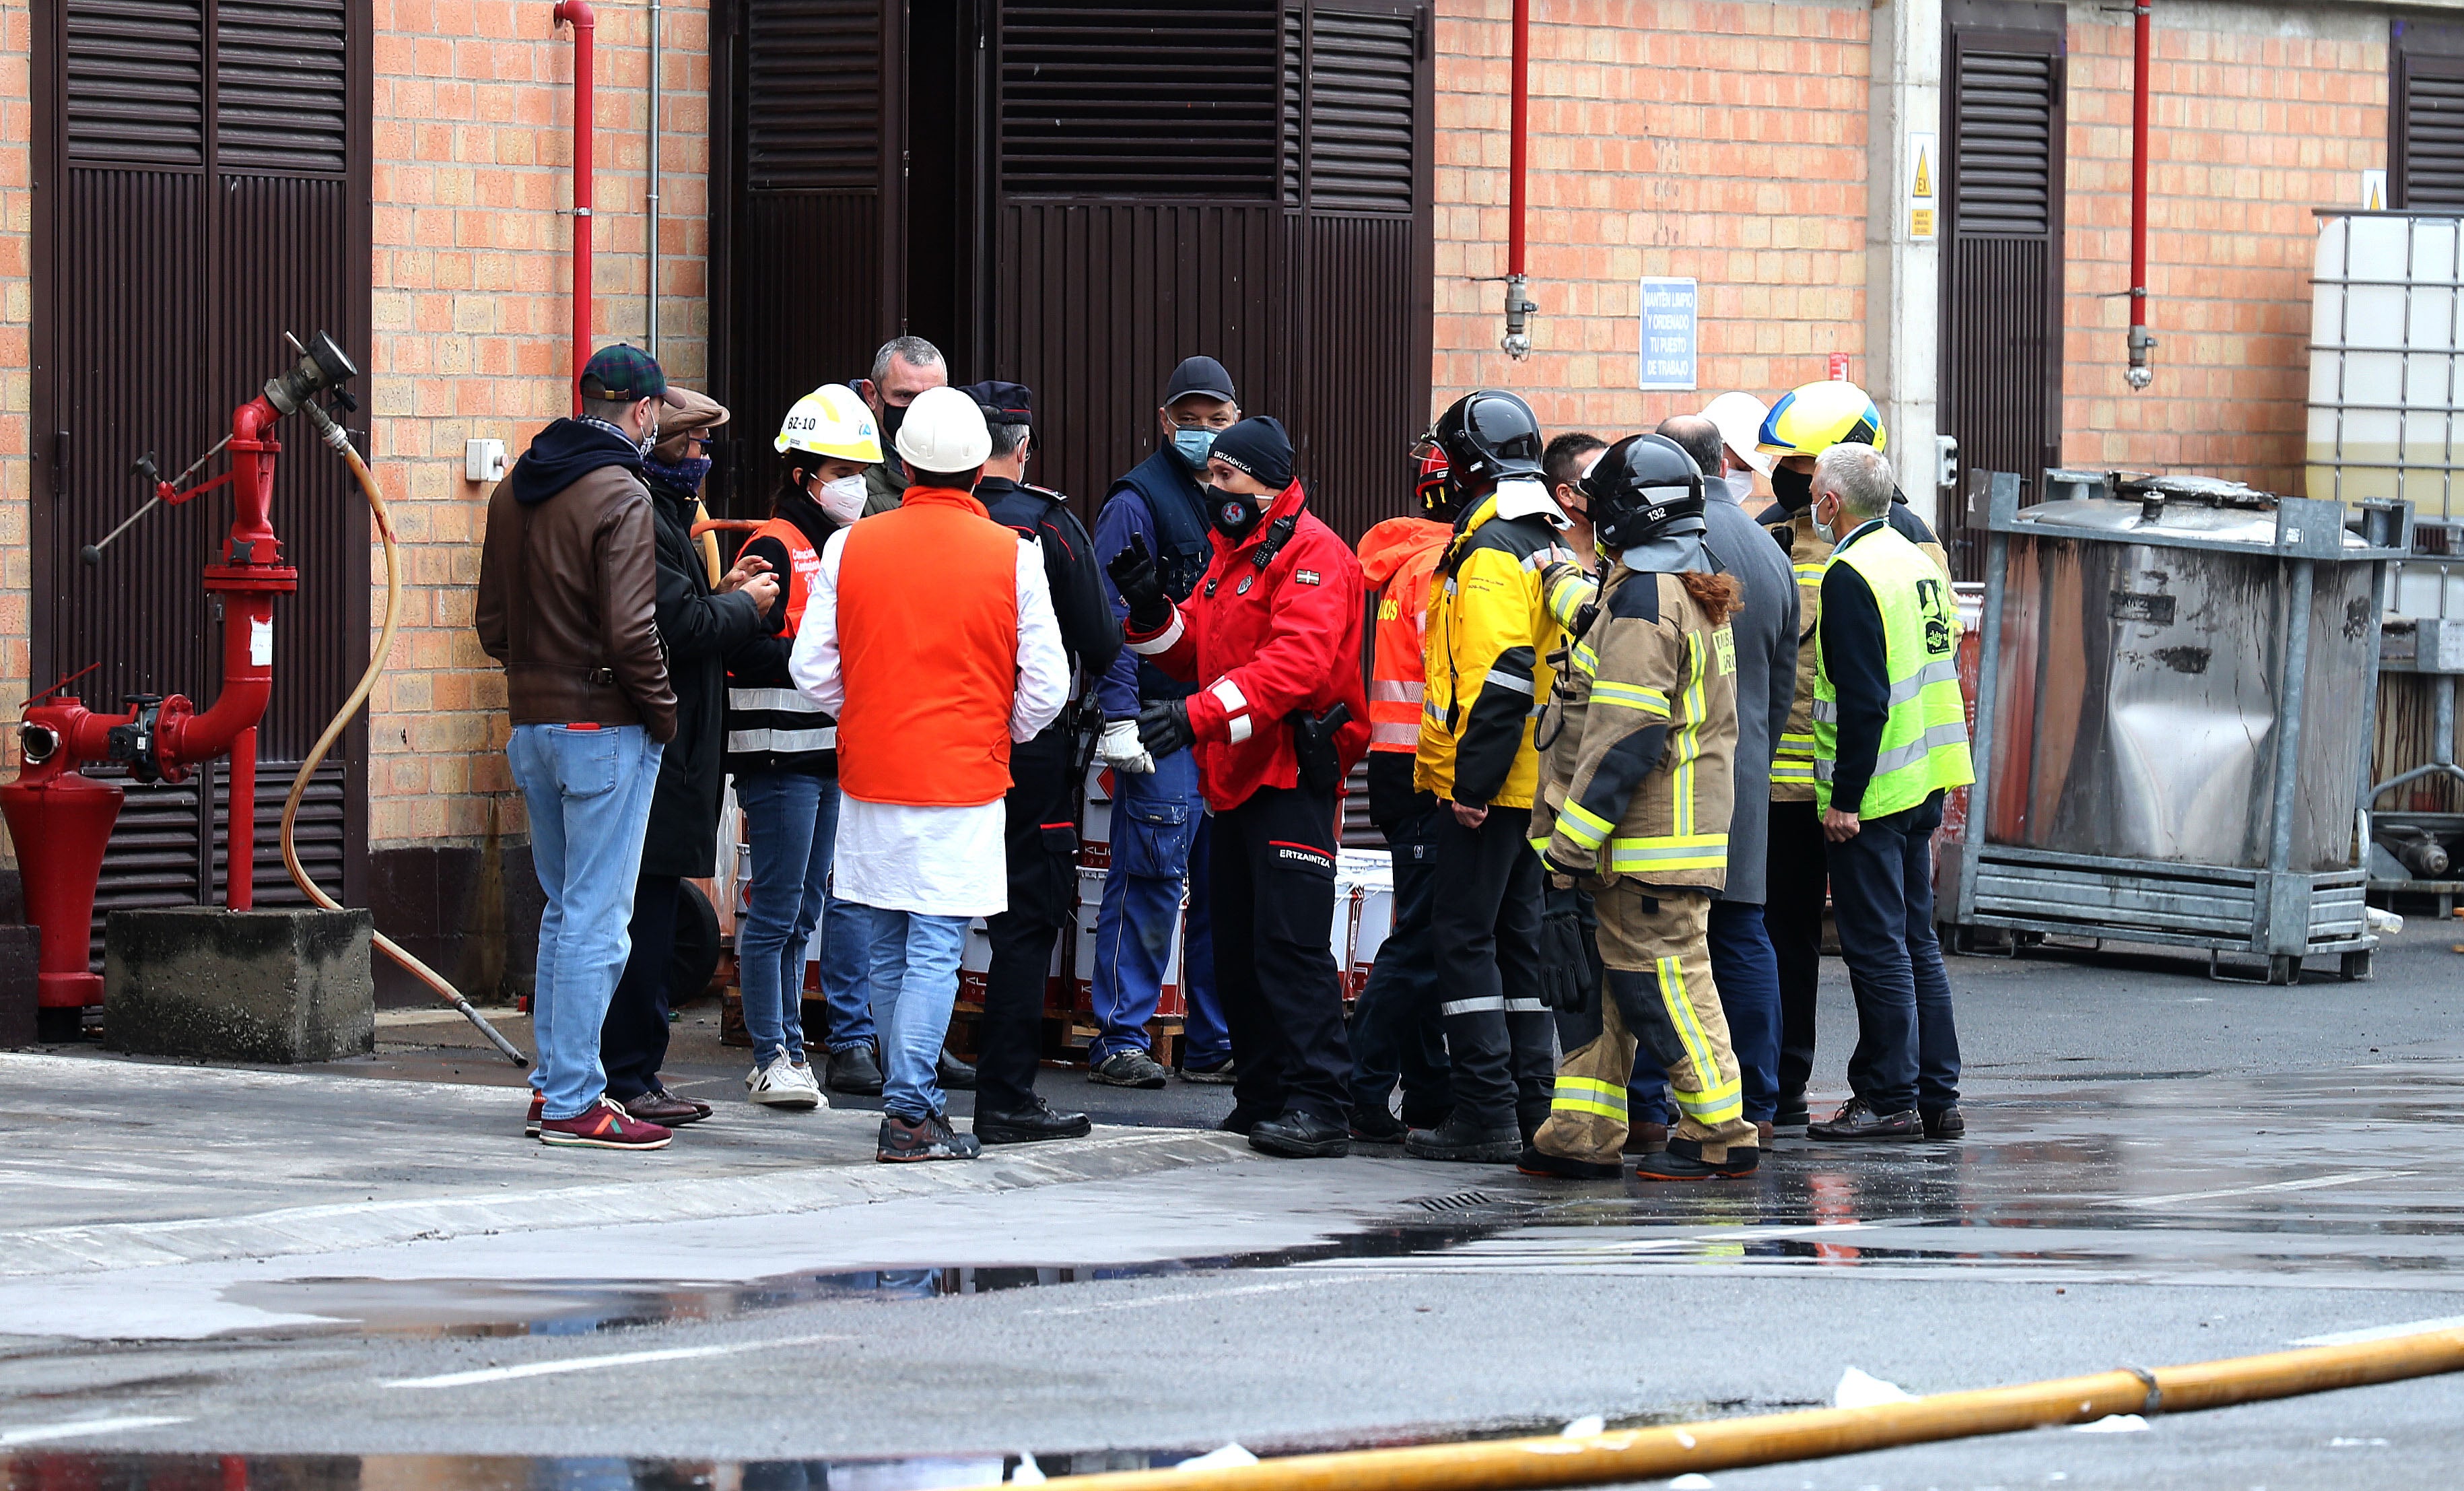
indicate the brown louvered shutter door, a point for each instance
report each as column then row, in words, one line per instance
column 1358, row 78
column 2429, row 145
column 2000, row 373
column 203, row 167
column 805, row 271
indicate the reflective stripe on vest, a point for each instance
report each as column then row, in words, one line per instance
column 1924, row 747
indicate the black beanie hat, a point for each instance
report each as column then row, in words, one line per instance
column 1258, row 446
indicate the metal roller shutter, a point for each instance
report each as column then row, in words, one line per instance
column 2428, row 117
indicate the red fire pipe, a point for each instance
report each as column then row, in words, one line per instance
column 1519, row 306
column 2140, row 374
column 578, row 14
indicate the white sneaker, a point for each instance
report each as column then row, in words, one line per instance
column 785, row 1084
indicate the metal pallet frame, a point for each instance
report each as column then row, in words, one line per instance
column 2271, row 913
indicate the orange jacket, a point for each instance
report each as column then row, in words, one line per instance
column 1397, row 558
column 928, row 644
column 804, row 562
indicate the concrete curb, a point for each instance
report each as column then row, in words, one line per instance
column 759, row 1189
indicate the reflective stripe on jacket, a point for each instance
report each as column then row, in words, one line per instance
column 1640, row 733
column 771, row 726
column 1489, row 632
column 1923, row 746
column 1397, row 558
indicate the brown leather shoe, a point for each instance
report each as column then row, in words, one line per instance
column 1646, row 1138
column 666, row 1109
column 1763, row 1131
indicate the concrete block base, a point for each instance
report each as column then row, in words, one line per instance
column 239, row 986
column 21, row 954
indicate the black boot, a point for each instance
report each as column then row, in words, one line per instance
column 955, row 1074
column 1297, row 1135
column 1536, row 1161
column 1683, row 1160
column 1027, row 1125
column 854, row 1070
column 1376, row 1127
column 1459, row 1138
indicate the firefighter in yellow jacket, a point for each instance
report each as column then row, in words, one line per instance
column 1800, row 427
column 1635, row 799
column 1489, row 632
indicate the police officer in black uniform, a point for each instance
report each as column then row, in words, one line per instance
column 1042, row 833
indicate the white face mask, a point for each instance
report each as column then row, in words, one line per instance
column 843, row 498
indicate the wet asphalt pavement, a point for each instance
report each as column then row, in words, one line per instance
column 2160, row 1170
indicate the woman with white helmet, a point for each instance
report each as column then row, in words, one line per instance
column 783, row 753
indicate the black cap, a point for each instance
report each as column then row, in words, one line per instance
column 1004, row 403
column 1258, row 446
column 1198, row 375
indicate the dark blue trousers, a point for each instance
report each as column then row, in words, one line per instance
column 1881, row 897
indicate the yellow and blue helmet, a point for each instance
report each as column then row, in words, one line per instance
column 1811, row 419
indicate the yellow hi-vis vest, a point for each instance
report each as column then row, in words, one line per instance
column 1924, row 736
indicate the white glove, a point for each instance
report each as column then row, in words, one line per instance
column 1118, row 749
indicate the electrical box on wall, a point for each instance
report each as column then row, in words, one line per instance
column 483, row 460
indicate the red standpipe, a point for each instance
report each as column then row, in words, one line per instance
column 1519, row 306
column 2138, row 375
column 578, row 14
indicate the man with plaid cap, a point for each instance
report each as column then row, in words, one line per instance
column 568, row 592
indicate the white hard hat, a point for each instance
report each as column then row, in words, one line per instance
column 944, row 430
column 832, row 421
column 1740, row 418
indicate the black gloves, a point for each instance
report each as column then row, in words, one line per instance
column 1570, row 971
column 1134, row 575
column 1164, row 727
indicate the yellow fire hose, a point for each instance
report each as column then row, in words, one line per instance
column 1773, row 1439
column 333, row 436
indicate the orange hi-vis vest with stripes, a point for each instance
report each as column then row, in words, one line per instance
column 927, row 646
column 803, row 566
column 1397, row 558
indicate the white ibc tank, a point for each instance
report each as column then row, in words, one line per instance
column 2387, row 378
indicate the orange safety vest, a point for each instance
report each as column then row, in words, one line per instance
column 803, row 566
column 928, row 645
column 1397, row 557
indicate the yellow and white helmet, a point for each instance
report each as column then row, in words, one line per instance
column 1818, row 415
column 832, row 421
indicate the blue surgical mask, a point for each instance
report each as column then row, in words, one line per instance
column 1193, row 445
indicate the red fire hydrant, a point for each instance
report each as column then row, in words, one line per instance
column 61, row 819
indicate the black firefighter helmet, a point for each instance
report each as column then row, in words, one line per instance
column 1641, row 487
column 1487, row 435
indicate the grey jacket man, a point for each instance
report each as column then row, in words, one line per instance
column 1764, row 631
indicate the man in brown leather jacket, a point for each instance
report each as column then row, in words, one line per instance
column 568, row 588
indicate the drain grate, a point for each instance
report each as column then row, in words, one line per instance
column 1459, row 1201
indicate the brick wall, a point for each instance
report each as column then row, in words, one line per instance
column 1723, row 141
column 2257, row 116
column 472, row 236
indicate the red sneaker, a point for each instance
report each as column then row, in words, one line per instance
column 603, row 1125
column 538, row 1111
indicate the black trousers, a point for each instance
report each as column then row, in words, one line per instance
column 1796, row 871
column 1273, row 900
column 1484, row 923
column 1041, row 843
column 633, row 1038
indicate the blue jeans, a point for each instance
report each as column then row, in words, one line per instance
column 846, row 972
column 1747, row 969
column 1158, row 818
column 588, row 792
column 915, row 986
column 792, row 818
column 1881, row 897
column 1394, row 1030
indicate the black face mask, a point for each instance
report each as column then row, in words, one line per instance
column 1235, row 513
column 1795, row 489
column 892, row 415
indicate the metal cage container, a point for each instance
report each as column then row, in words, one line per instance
column 2173, row 718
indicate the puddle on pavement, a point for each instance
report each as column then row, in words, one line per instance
column 2197, row 1181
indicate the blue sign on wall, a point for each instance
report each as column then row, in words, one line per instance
column 1668, row 335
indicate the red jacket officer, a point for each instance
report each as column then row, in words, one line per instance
column 1272, row 637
